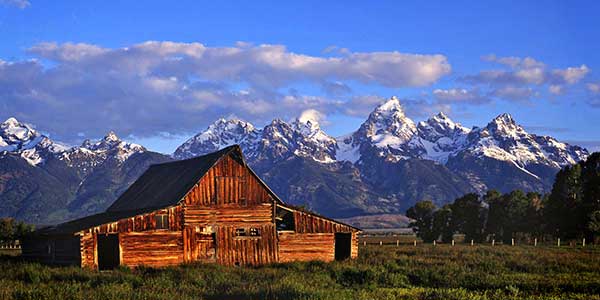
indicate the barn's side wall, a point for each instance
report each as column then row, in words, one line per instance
column 139, row 240
column 229, row 198
column 306, row 246
column 313, row 238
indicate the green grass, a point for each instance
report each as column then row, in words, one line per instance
column 381, row 272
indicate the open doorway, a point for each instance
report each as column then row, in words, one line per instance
column 108, row 251
column 343, row 244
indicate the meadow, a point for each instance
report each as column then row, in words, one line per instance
column 381, row 272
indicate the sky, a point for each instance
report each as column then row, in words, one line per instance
column 158, row 72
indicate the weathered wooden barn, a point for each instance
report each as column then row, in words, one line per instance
column 212, row 208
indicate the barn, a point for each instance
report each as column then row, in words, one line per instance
column 211, row 209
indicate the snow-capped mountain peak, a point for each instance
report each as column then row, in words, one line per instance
column 15, row 136
column 388, row 126
column 222, row 133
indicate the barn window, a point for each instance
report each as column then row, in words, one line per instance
column 254, row 232
column 240, row 232
column 162, row 221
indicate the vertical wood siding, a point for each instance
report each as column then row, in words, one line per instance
column 227, row 183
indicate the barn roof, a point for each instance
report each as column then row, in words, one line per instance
column 164, row 185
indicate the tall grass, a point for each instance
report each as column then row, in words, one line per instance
column 381, row 272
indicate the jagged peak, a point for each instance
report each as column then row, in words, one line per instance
column 504, row 118
column 12, row 121
column 392, row 105
column 111, row 136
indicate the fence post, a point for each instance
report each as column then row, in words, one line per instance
column 583, row 243
column 380, row 243
column 558, row 242
column 471, row 242
column 415, row 242
column 397, row 243
column 364, row 243
column 512, row 242
column 493, row 242
column 434, row 242
column 535, row 242
column 452, row 242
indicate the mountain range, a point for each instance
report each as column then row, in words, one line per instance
column 384, row 167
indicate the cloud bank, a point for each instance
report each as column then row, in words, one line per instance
column 156, row 87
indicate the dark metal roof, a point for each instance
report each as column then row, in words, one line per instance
column 164, row 185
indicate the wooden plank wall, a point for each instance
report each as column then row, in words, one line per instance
column 228, row 183
column 155, row 248
column 223, row 221
column 144, row 224
column 354, row 246
column 229, row 197
column 309, row 223
column 246, row 250
column 306, row 246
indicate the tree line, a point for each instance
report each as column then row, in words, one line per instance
column 570, row 211
column 11, row 229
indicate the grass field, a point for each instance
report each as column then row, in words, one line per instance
column 381, row 272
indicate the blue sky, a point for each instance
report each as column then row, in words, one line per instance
column 78, row 69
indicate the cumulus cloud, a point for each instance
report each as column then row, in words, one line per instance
column 460, row 96
column 314, row 116
column 594, row 88
column 22, row 4
column 166, row 87
column 514, row 93
column 555, row 89
column 525, row 71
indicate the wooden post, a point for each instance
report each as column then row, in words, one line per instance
column 512, row 242
column 583, row 243
column 471, row 242
column 535, row 242
column 434, row 242
column 397, row 243
column 380, row 243
column 493, row 242
column 558, row 242
column 415, row 242
column 364, row 243
column 452, row 242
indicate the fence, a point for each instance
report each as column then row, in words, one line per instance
column 413, row 240
column 10, row 245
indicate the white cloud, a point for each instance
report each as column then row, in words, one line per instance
column 312, row 115
column 526, row 71
column 571, row 75
column 594, row 87
column 166, row 87
column 22, row 4
column 514, row 93
column 555, row 89
column 460, row 96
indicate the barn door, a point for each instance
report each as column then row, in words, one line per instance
column 108, row 251
column 343, row 245
column 199, row 244
column 205, row 247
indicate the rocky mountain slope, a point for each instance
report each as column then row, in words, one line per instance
column 395, row 159
column 385, row 166
column 45, row 182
